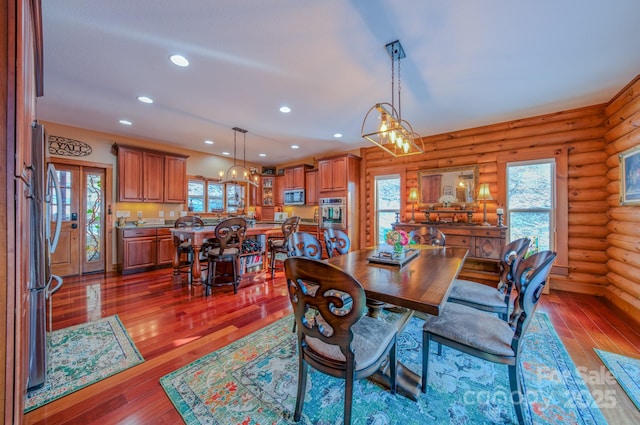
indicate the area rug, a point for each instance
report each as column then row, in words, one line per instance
column 626, row 370
column 82, row 355
column 253, row 381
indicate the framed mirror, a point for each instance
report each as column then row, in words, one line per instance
column 448, row 187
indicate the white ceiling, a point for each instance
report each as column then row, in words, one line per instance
column 468, row 63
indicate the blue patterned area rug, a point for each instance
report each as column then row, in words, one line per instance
column 626, row 370
column 82, row 355
column 253, row 381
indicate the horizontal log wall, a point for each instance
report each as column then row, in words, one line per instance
column 623, row 230
column 580, row 132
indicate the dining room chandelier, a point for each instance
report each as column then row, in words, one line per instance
column 386, row 128
column 239, row 174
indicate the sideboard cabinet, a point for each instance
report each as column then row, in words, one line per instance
column 485, row 245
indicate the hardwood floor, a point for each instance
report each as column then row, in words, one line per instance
column 173, row 324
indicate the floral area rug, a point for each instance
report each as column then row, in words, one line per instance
column 626, row 370
column 253, row 381
column 82, row 355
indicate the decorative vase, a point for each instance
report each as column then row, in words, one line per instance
column 398, row 249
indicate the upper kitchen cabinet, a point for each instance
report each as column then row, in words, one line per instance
column 278, row 190
column 337, row 172
column 175, row 179
column 150, row 176
column 294, row 177
column 311, row 187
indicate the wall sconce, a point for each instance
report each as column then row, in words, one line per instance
column 413, row 198
column 484, row 195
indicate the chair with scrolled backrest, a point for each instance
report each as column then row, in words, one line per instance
column 229, row 233
column 336, row 241
column 428, row 236
column 278, row 244
column 334, row 334
column 487, row 336
column 185, row 249
column 488, row 298
column 303, row 244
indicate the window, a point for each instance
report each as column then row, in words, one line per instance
column 235, row 197
column 213, row 198
column 387, row 204
column 531, row 202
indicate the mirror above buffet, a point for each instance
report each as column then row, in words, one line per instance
column 453, row 187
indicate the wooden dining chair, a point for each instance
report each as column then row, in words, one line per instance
column 303, row 244
column 278, row 244
column 334, row 334
column 428, row 236
column 490, row 298
column 229, row 234
column 336, row 241
column 487, row 336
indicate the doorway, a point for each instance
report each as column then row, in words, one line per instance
column 83, row 243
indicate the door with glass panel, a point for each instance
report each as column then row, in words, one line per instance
column 81, row 247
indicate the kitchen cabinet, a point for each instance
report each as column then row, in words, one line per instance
column 143, row 249
column 150, row 176
column 268, row 213
column 278, row 190
column 336, row 174
column 267, row 187
column 294, row 177
column 311, row 187
column 175, row 179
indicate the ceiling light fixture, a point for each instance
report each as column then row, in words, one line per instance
column 337, row 135
column 179, row 60
column 239, row 174
column 285, row 109
column 208, row 142
column 390, row 131
column 145, row 99
column 125, row 122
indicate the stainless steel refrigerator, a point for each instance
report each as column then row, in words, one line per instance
column 44, row 199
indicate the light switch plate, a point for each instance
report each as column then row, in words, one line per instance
column 161, row 214
column 139, row 214
column 123, row 214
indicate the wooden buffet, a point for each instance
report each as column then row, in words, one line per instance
column 484, row 243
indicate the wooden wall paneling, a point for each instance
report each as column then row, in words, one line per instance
column 623, row 132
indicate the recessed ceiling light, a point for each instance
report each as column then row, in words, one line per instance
column 337, row 135
column 285, row 109
column 294, row 146
column 145, row 99
column 179, row 60
column 125, row 122
column 226, row 153
column 209, row 142
column 262, row 154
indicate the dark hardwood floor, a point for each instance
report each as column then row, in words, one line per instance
column 173, row 324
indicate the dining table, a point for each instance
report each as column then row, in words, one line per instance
column 419, row 284
column 199, row 235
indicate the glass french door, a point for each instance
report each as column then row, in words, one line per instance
column 81, row 247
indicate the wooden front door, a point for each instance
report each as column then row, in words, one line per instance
column 81, row 247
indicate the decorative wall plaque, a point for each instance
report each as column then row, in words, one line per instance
column 68, row 147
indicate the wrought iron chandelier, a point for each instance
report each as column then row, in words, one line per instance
column 239, row 174
column 390, row 131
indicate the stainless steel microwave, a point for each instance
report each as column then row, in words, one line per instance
column 294, row 197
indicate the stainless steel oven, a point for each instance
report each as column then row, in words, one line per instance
column 333, row 212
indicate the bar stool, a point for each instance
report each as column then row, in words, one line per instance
column 229, row 234
column 277, row 244
column 185, row 249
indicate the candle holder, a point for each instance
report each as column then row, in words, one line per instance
column 500, row 223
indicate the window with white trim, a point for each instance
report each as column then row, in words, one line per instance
column 387, row 204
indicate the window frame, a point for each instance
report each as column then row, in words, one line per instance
column 561, row 213
column 205, row 198
column 376, row 178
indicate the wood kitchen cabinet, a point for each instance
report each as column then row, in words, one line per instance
column 335, row 174
column 175, row 179
column 278, row 190
column 267, row 186
column 144, row 249
column 294, row 177
column 150, row 176
column 311, row 187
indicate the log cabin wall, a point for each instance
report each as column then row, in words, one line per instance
column 578, row 132
column 623, row 133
